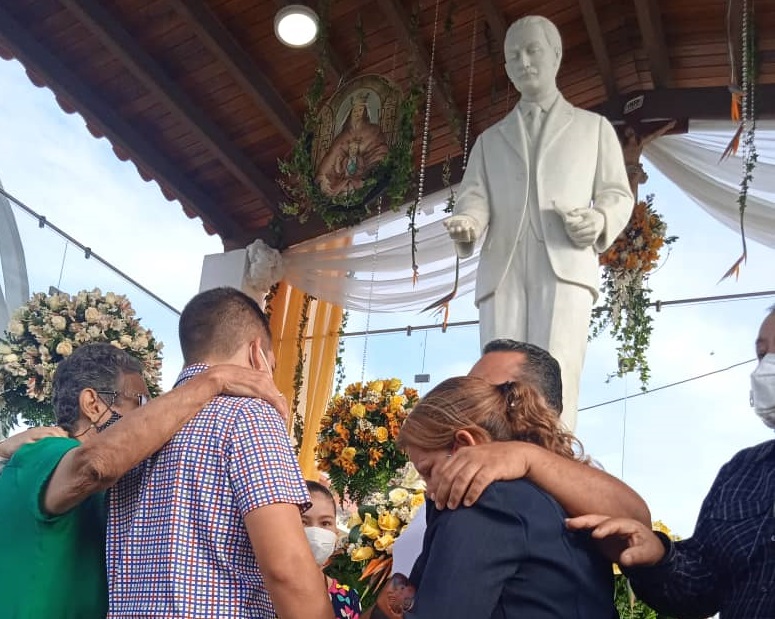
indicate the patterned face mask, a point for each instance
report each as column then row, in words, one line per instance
column 763, row 390
column 114, row 417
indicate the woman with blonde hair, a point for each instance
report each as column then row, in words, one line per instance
column 509, row 554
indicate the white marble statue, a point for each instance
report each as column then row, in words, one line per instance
column 548, row 185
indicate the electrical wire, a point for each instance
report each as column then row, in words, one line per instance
column 660, row 388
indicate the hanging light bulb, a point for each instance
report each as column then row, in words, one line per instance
column 296, row 25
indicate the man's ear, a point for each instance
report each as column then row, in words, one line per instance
column 91, row 404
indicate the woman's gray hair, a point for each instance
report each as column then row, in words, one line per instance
column 95, row 366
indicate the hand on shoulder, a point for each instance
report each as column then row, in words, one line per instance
column 469, row 471
column 10, row 446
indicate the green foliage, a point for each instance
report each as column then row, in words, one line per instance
column 339, row 362
column 298, row 372
column 628, row 606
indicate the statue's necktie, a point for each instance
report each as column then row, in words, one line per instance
column 533, row 120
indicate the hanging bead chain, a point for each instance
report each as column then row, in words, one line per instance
column 424, row 152
column 371, row 290
column 745, row 95
column 470, row 90
column 427, row 127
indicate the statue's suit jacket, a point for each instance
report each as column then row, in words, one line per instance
column 579, row 163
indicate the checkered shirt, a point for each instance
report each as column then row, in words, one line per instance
column 728, row 565
column 177, row 544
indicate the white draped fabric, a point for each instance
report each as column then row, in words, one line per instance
column 374, row 271
column 691, row 161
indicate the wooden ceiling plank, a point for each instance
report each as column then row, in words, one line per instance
column 654, row 41
column 596, row 39
column 63, row 81
column 399, row 20
column 241, row 66
column 496, row 21
column 121, row 43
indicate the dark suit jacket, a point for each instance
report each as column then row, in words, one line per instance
column 509, row 555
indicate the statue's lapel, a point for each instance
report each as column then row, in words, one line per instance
column 515, row 133
column 557, row 120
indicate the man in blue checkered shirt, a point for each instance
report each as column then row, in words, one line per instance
column 210, row 526
column 728, row 565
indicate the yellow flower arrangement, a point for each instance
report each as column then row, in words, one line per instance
column 356, row 445
column 627, row 265
column 379, row 521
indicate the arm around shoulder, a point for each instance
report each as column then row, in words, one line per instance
column 104, row 458
column 582, row 489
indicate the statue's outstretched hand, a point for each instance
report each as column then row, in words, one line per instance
column 583, row 226
column 461, row 228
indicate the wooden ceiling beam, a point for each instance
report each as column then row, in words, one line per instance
column 599, row 49
column 495, row 21
column 120, row 43
column 709, row 103
column 35, row 57
column 654, row 41
column 220, row 42
column 399, row 20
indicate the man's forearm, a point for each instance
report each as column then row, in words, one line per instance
column 109, row 455
column 581, row 489
column 105, row 458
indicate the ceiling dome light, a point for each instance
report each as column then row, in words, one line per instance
column 296, row 25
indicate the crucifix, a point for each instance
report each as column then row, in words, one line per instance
column 633, row 143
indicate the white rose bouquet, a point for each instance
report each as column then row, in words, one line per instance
column 46, row 330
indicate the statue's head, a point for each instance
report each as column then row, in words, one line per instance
column 533, row 51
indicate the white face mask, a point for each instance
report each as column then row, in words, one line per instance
column 763, row 390
column 322, row 542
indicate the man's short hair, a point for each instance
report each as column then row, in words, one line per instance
column 215, row 323
column 540, row 367
column 95, row 366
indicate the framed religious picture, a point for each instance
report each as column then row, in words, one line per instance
column 356, row 129
column 356, row 150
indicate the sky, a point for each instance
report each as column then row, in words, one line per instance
column 667, row 445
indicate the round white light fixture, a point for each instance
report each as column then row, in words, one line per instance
column 296, row 25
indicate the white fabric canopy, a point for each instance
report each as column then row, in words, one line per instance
column 380, row 248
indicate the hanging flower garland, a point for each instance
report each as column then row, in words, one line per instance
column 627, row 265
column 47, row 329
column 357, row 436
